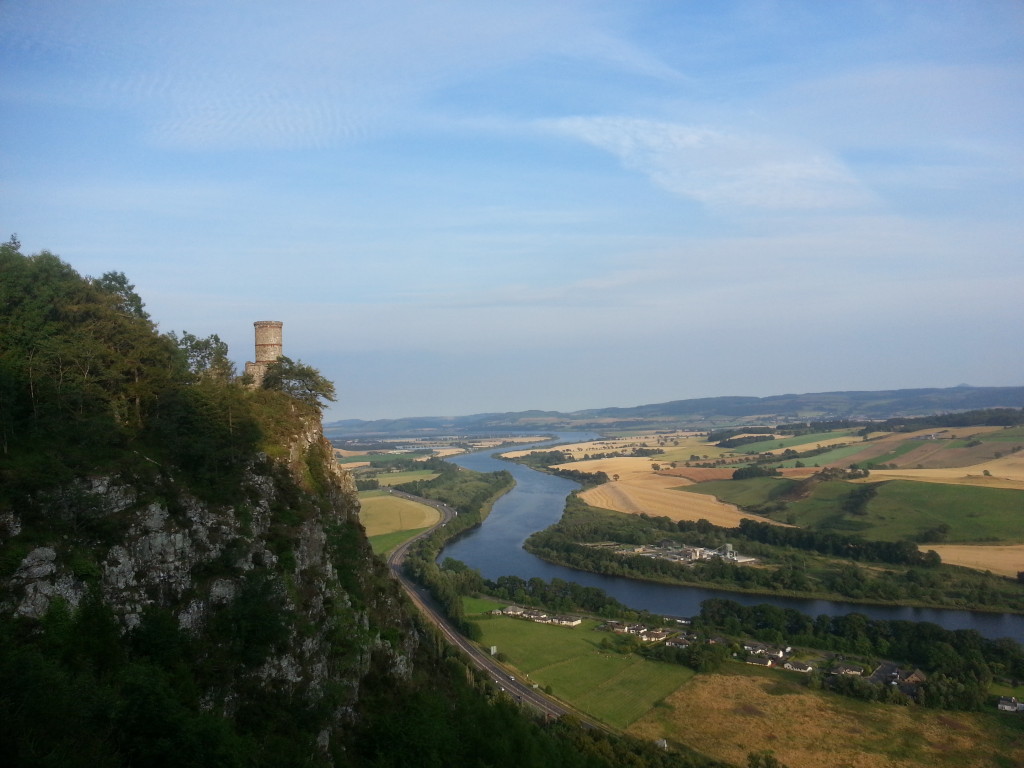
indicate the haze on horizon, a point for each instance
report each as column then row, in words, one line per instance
column 471, row 207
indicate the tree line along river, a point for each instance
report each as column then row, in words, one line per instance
column 537, row 501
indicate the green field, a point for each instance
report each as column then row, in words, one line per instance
column 397, row 478
column 754, row 490
column 829, row 457
column 1012, row 435
column 385, row 542
column 474, row 606
column 616, row 689
column 799, row 442
column 383, row 459
column 1001, row 689
column 902, row 509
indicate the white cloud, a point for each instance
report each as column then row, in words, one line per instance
column 262, row 75
column 722, row 168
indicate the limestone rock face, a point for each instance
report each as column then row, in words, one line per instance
column 194, row 558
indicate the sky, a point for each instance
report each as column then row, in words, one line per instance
column 463, row 207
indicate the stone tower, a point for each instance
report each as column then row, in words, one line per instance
column 269, row 347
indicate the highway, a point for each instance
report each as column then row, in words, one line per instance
column 522, row 692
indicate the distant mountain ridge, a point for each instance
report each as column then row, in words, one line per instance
column 705, row 412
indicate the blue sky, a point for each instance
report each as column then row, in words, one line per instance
column 461, row 207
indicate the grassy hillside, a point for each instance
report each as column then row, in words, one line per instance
column 732, row 713
column 899, row 509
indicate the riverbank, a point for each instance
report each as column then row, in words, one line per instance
column 784, row 562
column 548, row 557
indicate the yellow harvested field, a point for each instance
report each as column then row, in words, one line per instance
column 1006, row 472
column 442, row 452
column 623, row 466
column 387, row 514
column 638, row 489
column 1004, row 560
column 690, row 442
column 729, row 716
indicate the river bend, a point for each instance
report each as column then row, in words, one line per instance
column 537, row 501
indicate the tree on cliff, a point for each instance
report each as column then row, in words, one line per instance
column 301, row 381
column 206, row 358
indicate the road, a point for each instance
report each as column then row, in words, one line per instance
column 522, row 692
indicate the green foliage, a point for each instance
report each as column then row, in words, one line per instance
column 76, row 360
column 255, row 623
column 83, row 367
column 561, row 596
column 960, row 664
column 545, row 461
column 472, row 494
column 209, row 431
column 298, row 380
column 205, row 358
column 793, row 561
column 127, row 301
column 699, row 656
column 746, row 473
column 462, row 489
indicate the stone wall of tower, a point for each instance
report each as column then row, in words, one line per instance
column 269, row 347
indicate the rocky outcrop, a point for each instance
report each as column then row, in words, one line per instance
column 195, row 558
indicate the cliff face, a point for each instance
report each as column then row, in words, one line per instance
column 278, row 587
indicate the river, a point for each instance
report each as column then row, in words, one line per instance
column 537, row 501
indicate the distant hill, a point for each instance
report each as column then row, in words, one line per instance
column 703, row 413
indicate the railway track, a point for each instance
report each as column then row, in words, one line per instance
column 524, row 693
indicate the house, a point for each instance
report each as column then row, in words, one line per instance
column 656, row 635
column 759, row 661
column 514, row 610
column 847, row 669
column 798, row 666
column 915, row 678
column 567, row 621
column 1010, row 704
column 760, row 649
